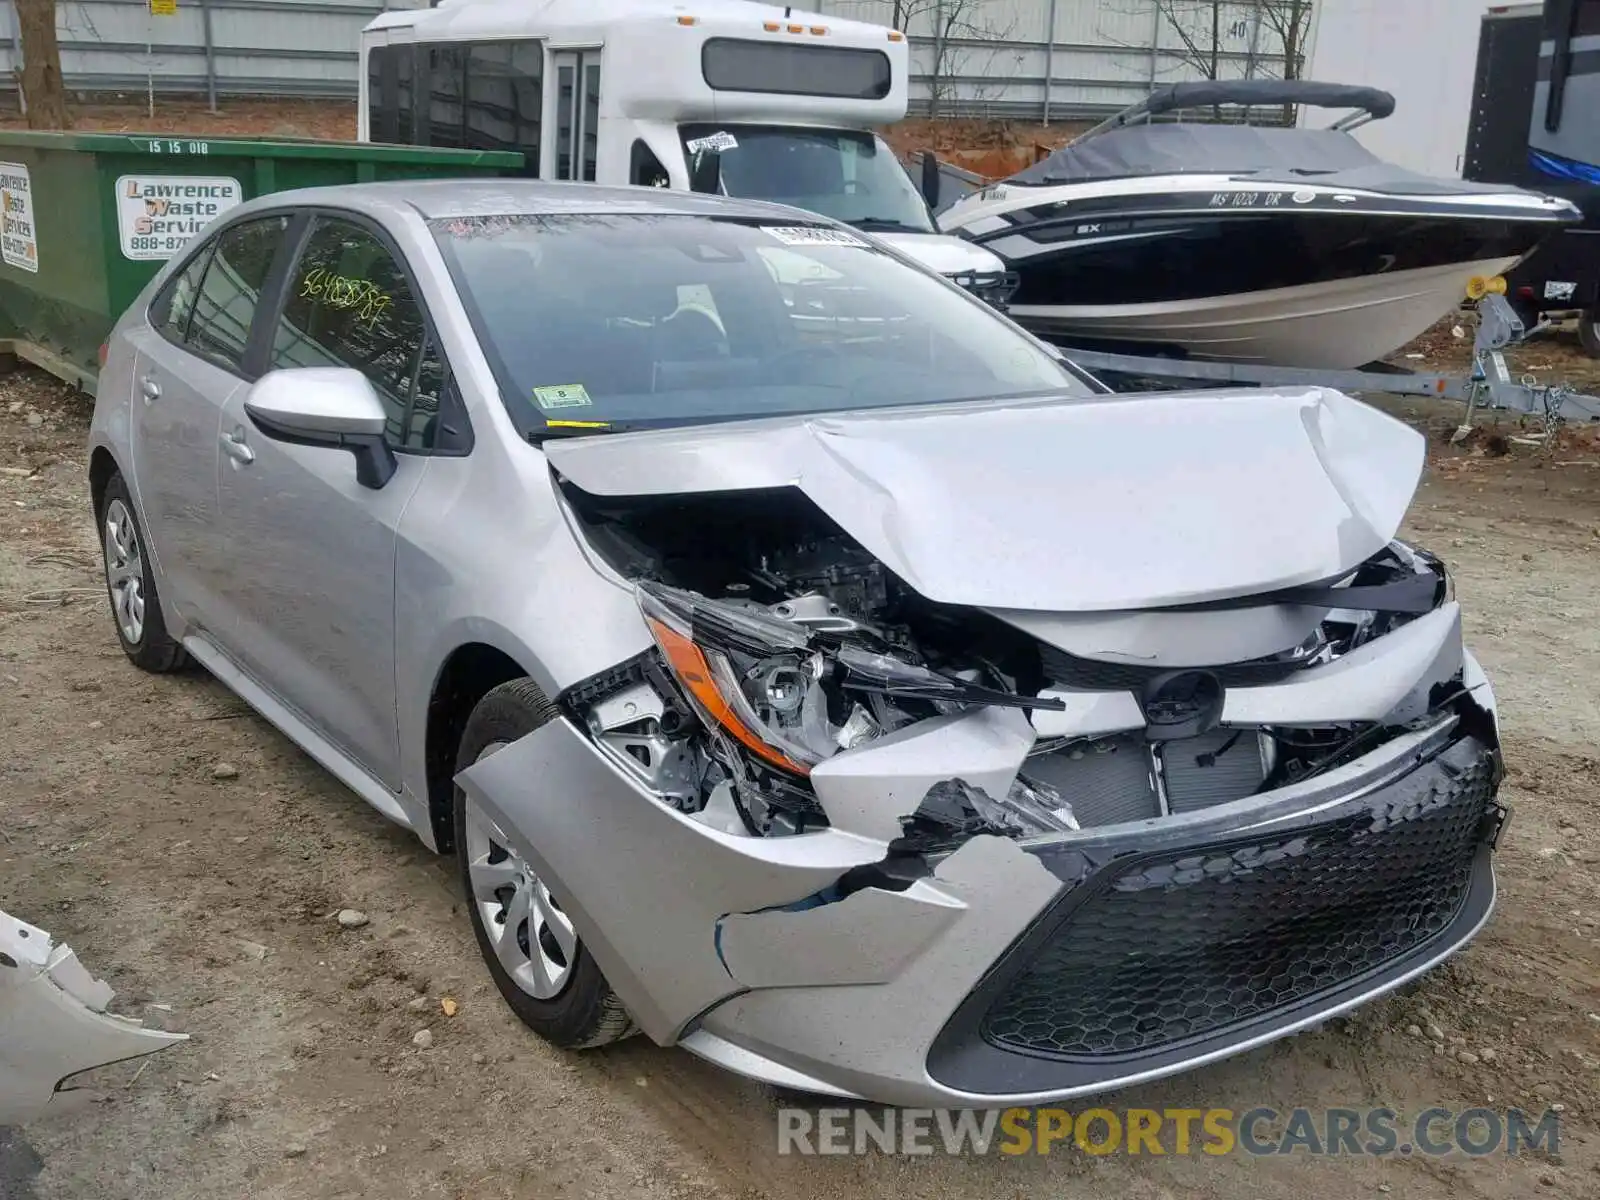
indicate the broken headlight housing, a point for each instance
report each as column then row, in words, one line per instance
column 750, row 675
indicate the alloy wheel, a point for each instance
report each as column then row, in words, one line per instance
column 532, row 937
column 125, row 571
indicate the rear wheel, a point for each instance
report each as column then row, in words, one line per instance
column 131, row 585
column 1589, row 331
column 527, row 940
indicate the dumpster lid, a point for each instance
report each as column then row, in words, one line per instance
column 157, row 145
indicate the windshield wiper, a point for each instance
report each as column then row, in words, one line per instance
column 566, row 429
column 877, row 224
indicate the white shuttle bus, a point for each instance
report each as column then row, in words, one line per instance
column 752, row 100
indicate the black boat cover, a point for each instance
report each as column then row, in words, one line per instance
column 1270, row 154
column 1208, row 92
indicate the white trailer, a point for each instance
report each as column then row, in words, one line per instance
column 1423, row 52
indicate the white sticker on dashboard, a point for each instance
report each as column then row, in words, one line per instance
column 721, row 141
column 813, row 235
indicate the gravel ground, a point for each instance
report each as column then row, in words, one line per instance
column 207, row 898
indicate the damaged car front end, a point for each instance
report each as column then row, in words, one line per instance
column 54, row 1025
column 994, row 755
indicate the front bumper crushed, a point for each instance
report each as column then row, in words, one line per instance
column 1016, row 972
column 1153, row 957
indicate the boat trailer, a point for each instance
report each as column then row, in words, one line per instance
column 1489, row 385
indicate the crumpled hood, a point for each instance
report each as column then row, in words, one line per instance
column 1105, row 503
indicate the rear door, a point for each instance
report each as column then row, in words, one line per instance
column 189, row 362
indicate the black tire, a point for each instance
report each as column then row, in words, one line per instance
column 1589, row 331
column 153, row 649
column 586, row 1012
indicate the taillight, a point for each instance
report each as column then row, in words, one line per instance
column 105, row 352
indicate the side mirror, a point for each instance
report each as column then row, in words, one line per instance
column 705, row 172
column 332, row 407
column 931, row 178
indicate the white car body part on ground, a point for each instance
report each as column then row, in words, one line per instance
column 54, row 1025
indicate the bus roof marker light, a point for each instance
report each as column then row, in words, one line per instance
column 797, row 29
column 819, row 30
column 896, row 36
column 771, row 26
column 688, row 20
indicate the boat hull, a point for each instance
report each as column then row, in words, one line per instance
column 1337, row 324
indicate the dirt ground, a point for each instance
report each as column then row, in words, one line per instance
column 207, row 902
column 335, row 119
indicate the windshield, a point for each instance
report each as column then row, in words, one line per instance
column 613, row 321
column 847, row 174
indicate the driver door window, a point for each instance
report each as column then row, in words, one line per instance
column 350, row 304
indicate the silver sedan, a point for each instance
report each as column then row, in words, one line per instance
column 803, row 664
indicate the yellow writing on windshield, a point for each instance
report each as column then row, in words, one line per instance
column 340, row 291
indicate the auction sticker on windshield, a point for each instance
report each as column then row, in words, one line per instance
column 813, row 235
column 562, row 395
column 158, row 214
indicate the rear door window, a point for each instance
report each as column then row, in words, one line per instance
column 175, row 305
column 213, row 319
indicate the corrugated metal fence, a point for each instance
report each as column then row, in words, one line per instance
column 971, row 57
column 990, row 58
column 234, row 47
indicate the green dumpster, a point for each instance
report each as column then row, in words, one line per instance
column 87, row 219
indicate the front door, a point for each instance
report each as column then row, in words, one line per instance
column 311, row 595
column 576, row 145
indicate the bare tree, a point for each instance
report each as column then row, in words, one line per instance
column 43, row 94
column 953, row 25
column 1205, row 37
column 1285, row 24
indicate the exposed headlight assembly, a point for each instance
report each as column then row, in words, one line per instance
column 753, row 676
column 790, row 695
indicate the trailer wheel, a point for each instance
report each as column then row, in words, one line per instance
column 1589, row 332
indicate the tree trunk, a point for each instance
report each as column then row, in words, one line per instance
column 42, row 89
column 1293, row 35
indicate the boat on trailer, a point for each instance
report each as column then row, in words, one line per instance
column 1246, row 243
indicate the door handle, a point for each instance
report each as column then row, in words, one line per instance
column 150, row 388
column 234, row 445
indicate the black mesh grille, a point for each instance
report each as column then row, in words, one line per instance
column 1187, row 945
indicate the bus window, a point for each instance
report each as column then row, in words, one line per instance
column 505, row 92
column 381, row 94
column 847, row 174
column 446, row 110
column 740, row 65
column 645, row 169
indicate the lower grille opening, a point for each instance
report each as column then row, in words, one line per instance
column 1123, row 777
column 1184, row 945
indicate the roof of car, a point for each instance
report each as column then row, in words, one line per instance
column 485, row 197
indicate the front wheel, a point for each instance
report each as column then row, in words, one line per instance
column 1589, row 331
column 527, row 940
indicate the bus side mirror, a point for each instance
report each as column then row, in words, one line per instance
column 930, row 178
column 705, row 172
